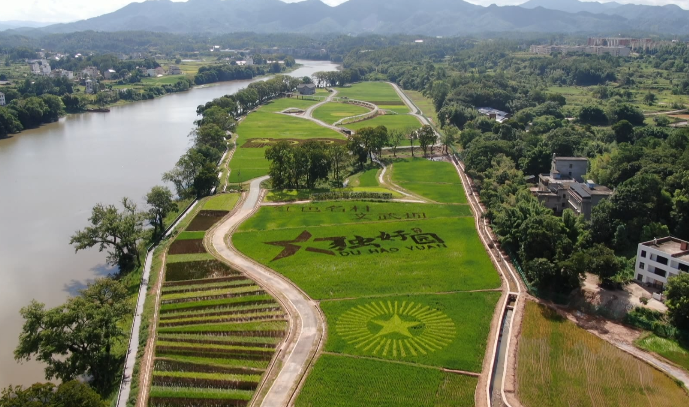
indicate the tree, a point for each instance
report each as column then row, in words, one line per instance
column 68, row 394
column 161, row 203
column 355, row 145
column 9, row 123
column 118, row 232
column 427, row 138
column 373, row 139
column 411, row 136
column 338, row 160
column 592, row 115
column 188, row 168
column 210, row 135
column 602, row 262
column 623, row 131
column 449, row 138
column 78, row 337
column 661, row 121
column 677, row 300
column 218, row 116
column 650, row 98
column 395, row 137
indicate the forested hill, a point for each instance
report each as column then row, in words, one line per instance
column 428, row 17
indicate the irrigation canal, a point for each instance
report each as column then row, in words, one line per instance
column 52, row 176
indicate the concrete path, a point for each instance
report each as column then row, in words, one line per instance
column 670, row 112
column 305, row 315
column 126, row 383
column 308, row 114
column 410, row 105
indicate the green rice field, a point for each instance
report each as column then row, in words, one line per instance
column 341, row 381
column 396, row 122
column 560, row 364
column 435, row 180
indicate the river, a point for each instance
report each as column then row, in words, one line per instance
column 52, row 176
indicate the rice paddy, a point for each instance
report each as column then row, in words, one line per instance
column 435, row 180
column 560, row 364
column 217, row 330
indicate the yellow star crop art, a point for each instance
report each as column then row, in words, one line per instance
column 396, row 329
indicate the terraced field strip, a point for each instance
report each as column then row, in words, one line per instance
column 217, row 330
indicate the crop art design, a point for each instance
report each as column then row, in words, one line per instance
column 385, row 242
column 396, row 329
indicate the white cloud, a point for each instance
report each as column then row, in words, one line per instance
column 72, row 10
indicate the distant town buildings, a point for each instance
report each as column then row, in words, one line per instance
column 39, row 67
column 632, row 43
column 617, row 51
column 90, row 72
column 306, row 89
column 61, row 73
column 494, row 114
column 659, row 259
column 564, row 188
column 2, row 99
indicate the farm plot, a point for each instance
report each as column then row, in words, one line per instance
column 440, row 330
column 391, row 122
column 561, row 364
column 332, row 112
column 435, row 180
column 341, row 381
column 378, row 93
column 217, row 330
column 386, row 248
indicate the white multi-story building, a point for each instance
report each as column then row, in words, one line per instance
column 2, row 99
column 660, row 259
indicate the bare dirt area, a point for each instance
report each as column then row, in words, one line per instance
column 204, row 220
column 618, row 302
column 191, row 246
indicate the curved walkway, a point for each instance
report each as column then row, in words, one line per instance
column 308, row 114
column 305, row 315
column 415, row 110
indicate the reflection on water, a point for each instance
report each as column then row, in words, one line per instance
column 51, row 177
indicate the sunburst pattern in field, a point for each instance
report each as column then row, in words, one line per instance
column 397, row 330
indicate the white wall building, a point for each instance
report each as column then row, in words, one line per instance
column 2, row 99
column 89, row 87
column 660, row 259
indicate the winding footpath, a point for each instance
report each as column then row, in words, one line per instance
column 308, row 324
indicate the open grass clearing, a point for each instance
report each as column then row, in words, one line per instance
column 391, row 122
column 560, row 364
column 366, row 178
column 667, row 348
column 439, row 330
column 353, row 260
column 264, row 123
column 339, row 381
column 435, row 180
column 333, row 112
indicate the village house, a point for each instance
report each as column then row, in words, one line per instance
column 306, row 89
column 2, row 99
column 61, row 73
column 563, row 188
column 494, row 114
column 90, row 72
column 109, row 74
column 89, row 87
column 659, row 259
column 174, row 70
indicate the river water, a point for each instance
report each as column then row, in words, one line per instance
column 51, row 177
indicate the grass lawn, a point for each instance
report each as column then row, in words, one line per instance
column 667, row 348
column 332, row 112
column 368, row 178
column 371, row 253
column 399, row 122
column 439, row 330
column 561, row 364
column 435, row 180
column 339, row 381
column 221, row 202
column 373, row 92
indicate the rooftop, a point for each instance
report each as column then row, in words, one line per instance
column 584, row 191
column 670, row 245
column 571, row 158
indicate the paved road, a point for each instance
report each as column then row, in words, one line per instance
column 310, row 322
column 308, row 114
column 410, row 105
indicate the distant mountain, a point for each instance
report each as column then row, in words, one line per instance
column 427, row 17
column 571, row 6
column 13, row 24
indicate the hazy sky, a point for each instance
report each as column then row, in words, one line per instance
column 72, row 10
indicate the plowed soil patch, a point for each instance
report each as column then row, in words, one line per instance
column 191, row 246
column 196, row 270
column 204, row 220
